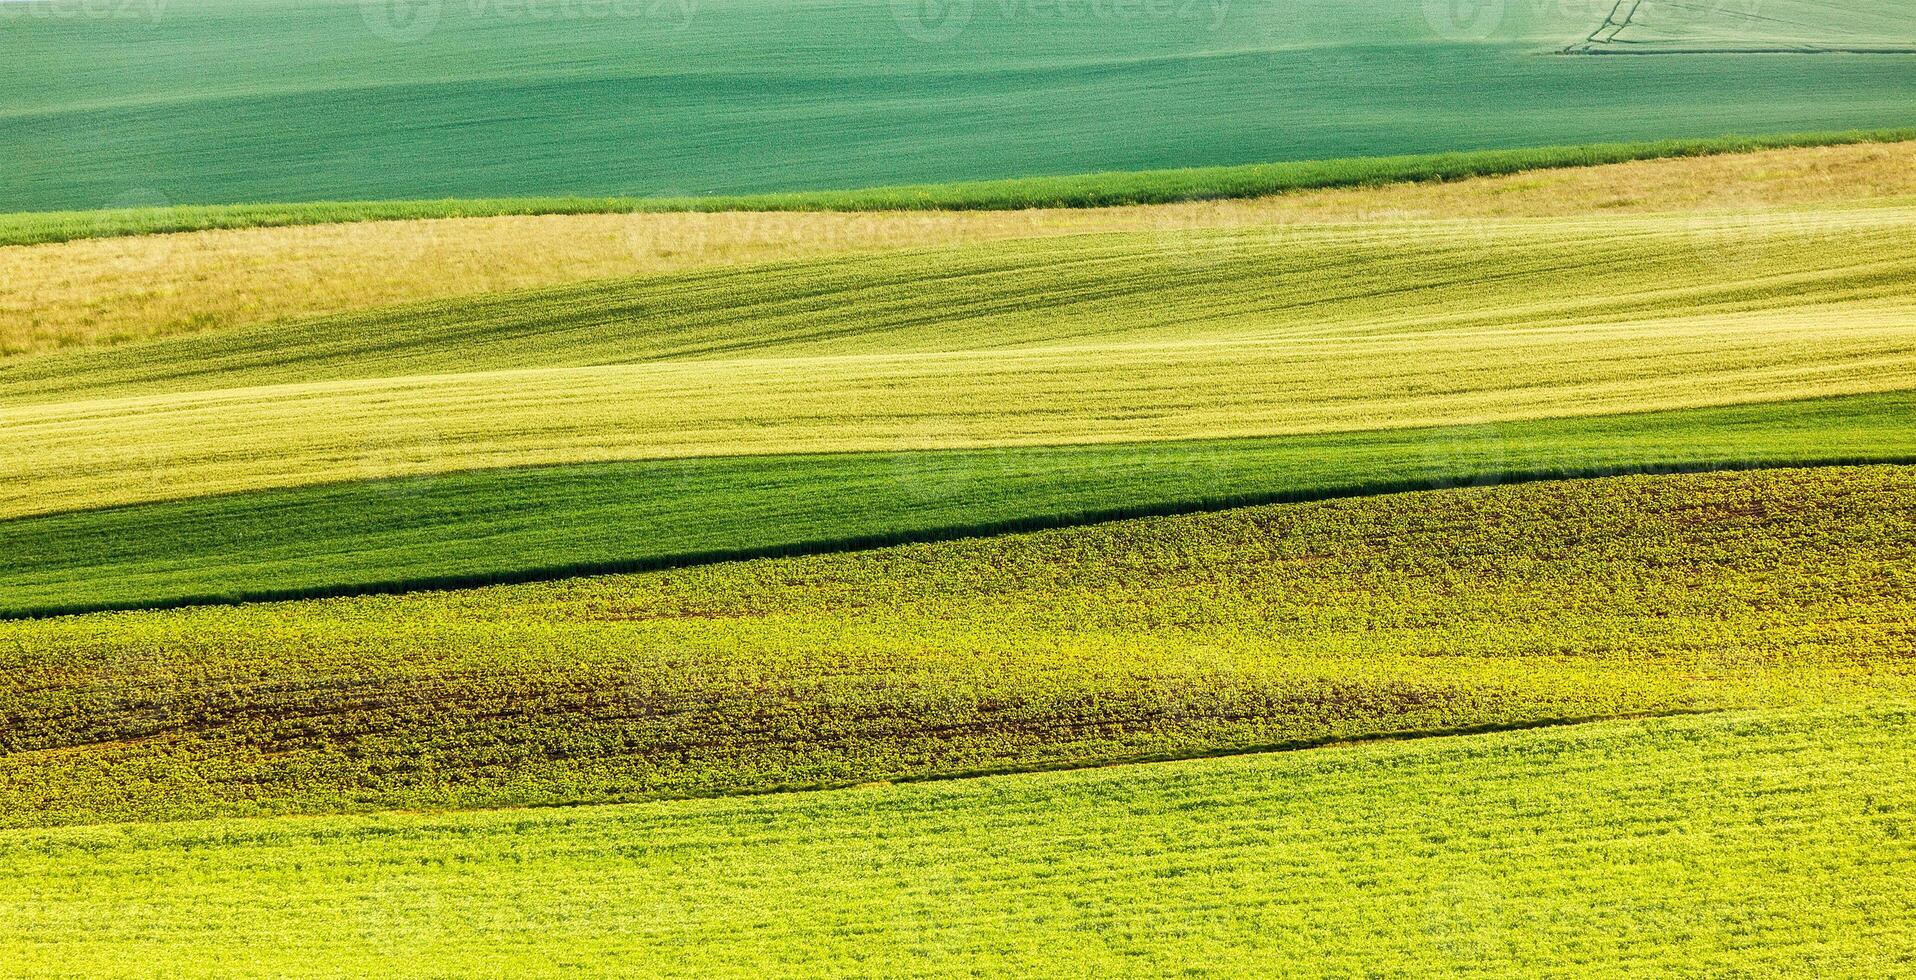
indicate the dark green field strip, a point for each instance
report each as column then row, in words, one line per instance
column 1077, row 191
column 541, row 523
column 1288, row 625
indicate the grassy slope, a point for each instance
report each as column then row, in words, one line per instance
column 520, row 524
column 1762, row 844
column 496, row 100
column 1420, row 281
column 1097, row 190
column 1089, row 339
column 1172, row 636
column 115, row 290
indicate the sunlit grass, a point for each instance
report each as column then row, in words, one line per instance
column 519, row 523
column 1760, row 843
column 1099, row 339
column 120, row 289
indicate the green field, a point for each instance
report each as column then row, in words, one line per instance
column 1749, row 843
column 1075, row 191
column 513, row 524
column 1773, row 27
column 670, row 98
column 810, row 405
column 1455, row 576
column 1449, row 610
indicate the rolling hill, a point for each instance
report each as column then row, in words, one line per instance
column 121, row 280
column 663, row 98
column 1766, row 843
column 1509, row 575
column 873, row 394
column 1254, row 628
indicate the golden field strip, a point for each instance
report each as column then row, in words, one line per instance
column 104, row 291
column 1086, row 339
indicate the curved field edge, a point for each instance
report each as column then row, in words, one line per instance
column 1761, row 843
column 1134, row 338
column 1243, row 284
column 1078, row 191
column 1448, row 610
column 532, row 524
column 59, row 297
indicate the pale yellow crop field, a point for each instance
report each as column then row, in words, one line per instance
column 104, row 291
column 72, row 455
column 1087, row 339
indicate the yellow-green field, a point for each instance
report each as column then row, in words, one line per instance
column 1092, row 339
column 1772, row 843
column 114, row 290
column 1254, row 628
column 1512, row 576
